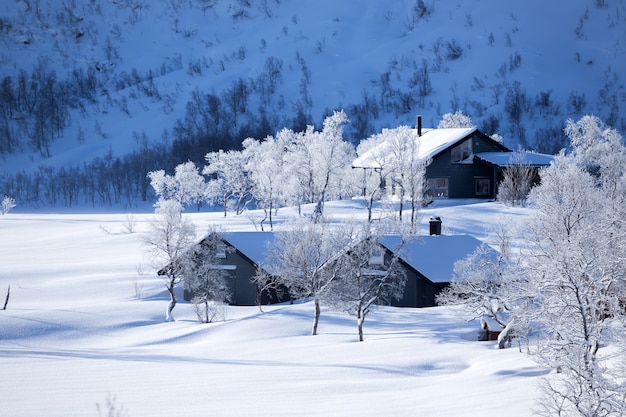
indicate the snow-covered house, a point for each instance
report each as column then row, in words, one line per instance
column 428, row 263
column 465, row 162
column 248, row 250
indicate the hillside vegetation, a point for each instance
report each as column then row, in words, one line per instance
column 131, row 85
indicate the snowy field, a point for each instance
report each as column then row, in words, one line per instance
column 76, row 336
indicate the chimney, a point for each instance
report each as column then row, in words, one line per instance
column 435, row 225
column 419, row 126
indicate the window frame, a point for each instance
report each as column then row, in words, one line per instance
column 445, row 189
column 482, row 180
column 461, row 152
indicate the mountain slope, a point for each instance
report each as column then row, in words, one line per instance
column 519, row 70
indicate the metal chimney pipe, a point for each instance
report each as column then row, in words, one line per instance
column 419, row 126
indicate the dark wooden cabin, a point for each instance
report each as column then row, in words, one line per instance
column 428, row 263
column 464, row 162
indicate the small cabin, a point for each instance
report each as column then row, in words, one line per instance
column 428, row 263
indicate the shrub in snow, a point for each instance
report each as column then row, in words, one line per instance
column 7, row 204
column 517, row 181
column 455, row 120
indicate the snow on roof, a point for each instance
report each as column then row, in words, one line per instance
column 503, row 159
column 434, row 256
column 430, row 144
column 254, row 245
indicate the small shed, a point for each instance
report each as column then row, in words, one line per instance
column 499, row 162
column 429, row 264
column 249, row 251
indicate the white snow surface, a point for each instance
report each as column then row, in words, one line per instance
column 74, row 336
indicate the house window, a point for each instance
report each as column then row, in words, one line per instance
column 483, row 186
column 437, row 187
column 462, row 151
column 377, row 258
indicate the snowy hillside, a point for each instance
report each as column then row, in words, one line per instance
column 136, row 71
column 84, row 327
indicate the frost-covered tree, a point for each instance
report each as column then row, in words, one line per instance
column 186, row 186
column 455, row 120
column 409, row 174
column 366, row 277
column 290, row 168
column 299, row 258
column 575, row 267
column 204, row 276
column 229, row 181
column 571, row 277
column 517, row 180
column 168, row 239
column 394, row 163
column 265, row 167
column 373, row 178
column 599, row 150
column 487, row 284
column 332, row 158
column 7, row 204
column 299, row 163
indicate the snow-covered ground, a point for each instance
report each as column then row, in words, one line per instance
column 74, row 336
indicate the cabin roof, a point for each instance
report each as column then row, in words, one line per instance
column 433, row 256
column 253, row 245
column 431, row 143
column 503, row 159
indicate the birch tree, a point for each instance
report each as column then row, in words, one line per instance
column 394, row 162
column 300, row 165
column 332, row 159
column 6, row 204
column 265, row 167
column 205, row 277
column 167, row 241
column 410, row 170
column 455, row 120
column 229, row 181
column 186, row 186
column 573, row 273
column 576, row 268
column 488, row 284
column 517, row 182
column 373, row 177
column 366, row 276
column 299, row 261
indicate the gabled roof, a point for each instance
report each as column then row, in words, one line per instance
column 431, row 143
column 253, row 245
column 433, row 256
column 503, row 159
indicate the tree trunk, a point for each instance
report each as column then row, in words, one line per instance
column 401, row 197
column 359, row 324
column 505, row 334
column 206, row 311
column 171, row 304
column 316, row 317
column 271, row 221
column 6, row 300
